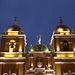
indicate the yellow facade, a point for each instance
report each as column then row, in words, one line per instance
column 39, row 60
column 63, row 51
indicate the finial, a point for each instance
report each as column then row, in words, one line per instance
column 60, row 17
column 15, row 22
column 72, row 31
column 15, row 18
column 60, row 22
column 4, row 29
column 39, row 39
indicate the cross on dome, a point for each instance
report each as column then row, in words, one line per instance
column 60, row 22
column 15, row 22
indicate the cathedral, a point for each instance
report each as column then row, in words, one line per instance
column 39, row 60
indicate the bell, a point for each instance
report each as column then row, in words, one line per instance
column 12, row 45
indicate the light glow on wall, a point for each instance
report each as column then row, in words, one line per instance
column 39, row 65
column 13, row 33
column 74, row 49
column 20, row 49
column 49, row 64
column 32, row 49
column 12, row 55
column 9, row 55
column 31, row 63
column 65, row 54
column 20, row 55
column 12, row 40
column 60, row 30
column 62, row 33
column 46, row 49
column 31, row 68
column 58, row 49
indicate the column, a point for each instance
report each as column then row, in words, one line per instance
column 58, row 69
column 20, row 44
column 21, row 69
column 57, row 45
column 0, row 69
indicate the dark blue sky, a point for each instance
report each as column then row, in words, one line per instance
column 37, row 17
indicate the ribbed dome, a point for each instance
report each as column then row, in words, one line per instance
column 61, row 28
column 39, row 47
column 14, row 28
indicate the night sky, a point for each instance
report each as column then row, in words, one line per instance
column 37, row 17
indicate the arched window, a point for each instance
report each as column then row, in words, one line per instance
column 12, row 45
column 9, row 74
column 39, row 62
column 65, row 45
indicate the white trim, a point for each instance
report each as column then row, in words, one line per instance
column 13, row 31
column 11, row 58
column 64, row 62
column 40, row 69
column 14, row 35
column 50, row 70
column 30, row 70
column 4, row 36
column 31, row 57
column 65, row 52
column 20, row 62
column 39, row 52
column 12, row 52
column 12, row 62
column 63, row 35
column 64, row 58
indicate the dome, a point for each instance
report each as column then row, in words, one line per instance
column 39, row 47
column 14, row 28
column 61, row 28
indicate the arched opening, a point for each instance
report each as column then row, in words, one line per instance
column 12, row 45
column 9, row 74
column 10, row 69
column 39, row 62
column 65, row 45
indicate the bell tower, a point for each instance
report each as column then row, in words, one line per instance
column 13, row 39
column 12, row 53
column 61, row 38
column 63, row 49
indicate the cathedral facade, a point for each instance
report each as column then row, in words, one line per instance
column 39, row 60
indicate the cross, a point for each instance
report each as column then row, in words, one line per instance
column 15, row 18
column 60, row 17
